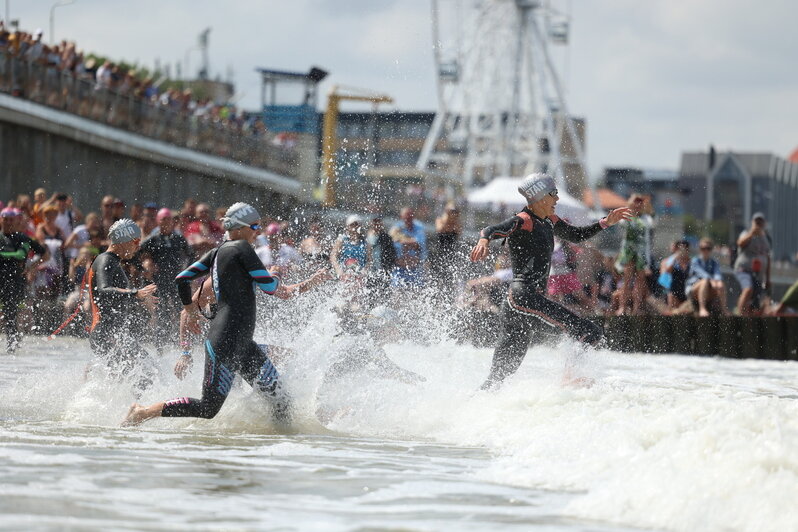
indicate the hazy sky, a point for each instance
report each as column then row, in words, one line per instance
column 652, row 77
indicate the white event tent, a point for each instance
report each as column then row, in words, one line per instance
column 504, row 191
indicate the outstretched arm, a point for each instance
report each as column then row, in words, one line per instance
column 571, row 233
column 492, row 232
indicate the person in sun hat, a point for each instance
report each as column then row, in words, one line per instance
column 530, row 237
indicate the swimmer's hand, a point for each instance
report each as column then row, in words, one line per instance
column 480, row 251
column 190, row 319
column 183, row 366
column 147, row 296
column 616, row 215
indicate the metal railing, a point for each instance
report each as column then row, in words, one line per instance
column 82, row 96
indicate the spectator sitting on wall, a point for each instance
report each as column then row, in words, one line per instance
column 752, row 267
column 678, row 266
column 705, row 285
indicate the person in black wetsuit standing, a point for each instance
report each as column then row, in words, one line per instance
column 14, row 249
column 234, row 268
column 170, row 254
column 530, row 235
column 117, row 320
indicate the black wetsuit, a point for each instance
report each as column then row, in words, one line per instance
column 117, row 318
column 14, row 249
column 531, row 241
column 229, row 348
column 170, row 253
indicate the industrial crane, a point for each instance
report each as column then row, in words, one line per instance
column 330, row 135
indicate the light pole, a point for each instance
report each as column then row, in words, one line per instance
column 7, row 21
column 187, row 74
column 52, row 16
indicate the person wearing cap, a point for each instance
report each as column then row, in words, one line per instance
column 14, row 250
column 351, row 247
column 116, row 318
column 752, row 267
column 166, row 254
column 530, row 235
column 234, row 268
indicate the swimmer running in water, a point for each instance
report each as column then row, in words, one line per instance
column 229, row 348
column 530, row 235
column 357, row 349
column 115, row 316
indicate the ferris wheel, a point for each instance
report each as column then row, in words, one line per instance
column 501, row 104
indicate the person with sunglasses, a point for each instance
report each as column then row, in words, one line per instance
column 530, row 235
column 705, row 285
column 234, row 268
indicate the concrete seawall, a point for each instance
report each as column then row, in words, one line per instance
column 40, row 146
column 732, row 337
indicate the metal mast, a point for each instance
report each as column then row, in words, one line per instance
column 501, row 106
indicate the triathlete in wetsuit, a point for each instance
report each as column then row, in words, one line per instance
column 14, row 249
column 530, row 234
column 229, row 348
column 117, row 319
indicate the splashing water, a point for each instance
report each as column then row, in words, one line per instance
column 662, row 442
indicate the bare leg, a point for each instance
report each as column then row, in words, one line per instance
column 627, row 285
column 720, row 291
column 744, row 302
column 139, row 414
column 639, row 292
column 704, row 291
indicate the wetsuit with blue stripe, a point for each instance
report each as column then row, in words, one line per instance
column 236, row 273
column 531, row 243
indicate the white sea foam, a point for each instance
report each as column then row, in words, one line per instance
column 664, row 442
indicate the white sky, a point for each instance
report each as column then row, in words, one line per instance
column 652, row 77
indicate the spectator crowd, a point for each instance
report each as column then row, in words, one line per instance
column 62, row 76
column 61, row 239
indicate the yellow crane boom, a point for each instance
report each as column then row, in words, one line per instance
column 330, row 136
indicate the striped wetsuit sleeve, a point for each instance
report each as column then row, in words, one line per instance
column 252, row 264
column 184, row 278
column 502, row 229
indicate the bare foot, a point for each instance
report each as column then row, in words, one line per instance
column 577, row 382
column 135, row 416
column 620, row 312
column 703, row 313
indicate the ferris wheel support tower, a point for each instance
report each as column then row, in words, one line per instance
column 501, row 104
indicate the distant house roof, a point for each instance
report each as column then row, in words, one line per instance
column 793, row 158
column 607, row 199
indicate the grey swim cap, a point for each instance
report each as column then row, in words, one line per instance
column 240, row 215
column 123, row 230
column 534, row 187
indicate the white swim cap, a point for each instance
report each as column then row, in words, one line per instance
column 240, row 215
column 534, row 187
column 123, row 230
